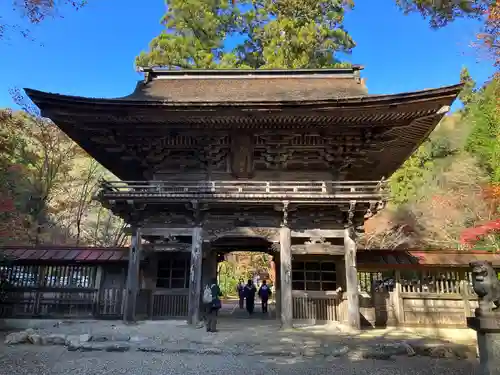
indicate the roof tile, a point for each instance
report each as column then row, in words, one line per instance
column 94, row 255
column 64, row 253
column 60, row 254
column 72, row 255
column 105, row 255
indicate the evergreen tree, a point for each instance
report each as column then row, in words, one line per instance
column 194, row 35
column 441, row 12
column 467, row 93
column 484, row 139
column 276, row 34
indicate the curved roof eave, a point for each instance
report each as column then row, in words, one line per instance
column 48, row 99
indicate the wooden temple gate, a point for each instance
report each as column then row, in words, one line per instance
column 395, row 288
column 290, row 162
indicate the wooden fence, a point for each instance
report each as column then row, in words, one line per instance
column 90, row 303
column 80, row 291
column 423, row 298
column 433, row 298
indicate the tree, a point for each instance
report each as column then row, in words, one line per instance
column 484, row 139
column 277, row 34
column 35, row 12
column 453, row 200
column 294, row 34
column 468, row 92
column 489, row 36
column 76, row 201
column 441, row 12
column 194, row 34
column 106, row 229
column 43, row 156
column 12, row 219
column 471, row 236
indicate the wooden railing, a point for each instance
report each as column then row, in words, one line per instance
column 315, row 307
column 238, row 188
column 31, row 302
column 170, row 303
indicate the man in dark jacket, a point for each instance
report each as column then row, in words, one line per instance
column 212, row 308
column 264, row 294
column 250, row 291
column 240, row 288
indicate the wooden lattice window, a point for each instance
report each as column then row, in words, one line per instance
column 59, row 276
column 432, row 281
column 173, row 274
column 314, row 276
column 376, row 281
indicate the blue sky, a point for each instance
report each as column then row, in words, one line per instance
column 91, row 52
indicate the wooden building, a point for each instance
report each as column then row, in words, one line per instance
column 282, row 161
column 396, row 288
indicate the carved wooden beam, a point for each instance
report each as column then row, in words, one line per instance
column 168, row 247
column 318, row 249
column 243, row 231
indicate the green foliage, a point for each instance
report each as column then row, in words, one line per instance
column 276, row 34
column 406, row 183
column 228, row 278
column 468, row 93
column 441, row 13
column 484, row 139
column 449, row 183
column 194, row 34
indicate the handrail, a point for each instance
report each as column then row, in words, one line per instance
column 242, row 187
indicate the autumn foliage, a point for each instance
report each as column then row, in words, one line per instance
column 471, row 236
column 46, row 185
column 489, row 37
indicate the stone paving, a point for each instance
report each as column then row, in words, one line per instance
column 253, row 337
column 45, row 360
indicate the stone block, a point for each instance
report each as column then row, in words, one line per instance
column 35, row 339
column 16, row 338
column 488, row 342
column 120, row 337
column 55, row 339
column 85, row 337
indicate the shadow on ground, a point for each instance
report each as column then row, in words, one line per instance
column 247, row 346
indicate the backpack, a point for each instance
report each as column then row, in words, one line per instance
column 207, row 294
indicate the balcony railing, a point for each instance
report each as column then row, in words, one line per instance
column 242, row 189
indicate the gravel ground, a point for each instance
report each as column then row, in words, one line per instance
column 31, row 360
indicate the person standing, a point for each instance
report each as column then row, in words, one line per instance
column 264, row 294
column 212, row 307
column 250, row 292
column 240, row 289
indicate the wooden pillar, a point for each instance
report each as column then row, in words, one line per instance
column 277, row 286
column 132, row 287
column 195, row 276
column 398, row 301
column 286, row 307
column 41, row 283
column 98, row 286
column 351, row 275
column 209, row 266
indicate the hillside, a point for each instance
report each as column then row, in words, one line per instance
column 451, row 183
column 47, row 185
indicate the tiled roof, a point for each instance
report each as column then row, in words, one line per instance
column 413, row 258
column 65, row 254
column 365, row 258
